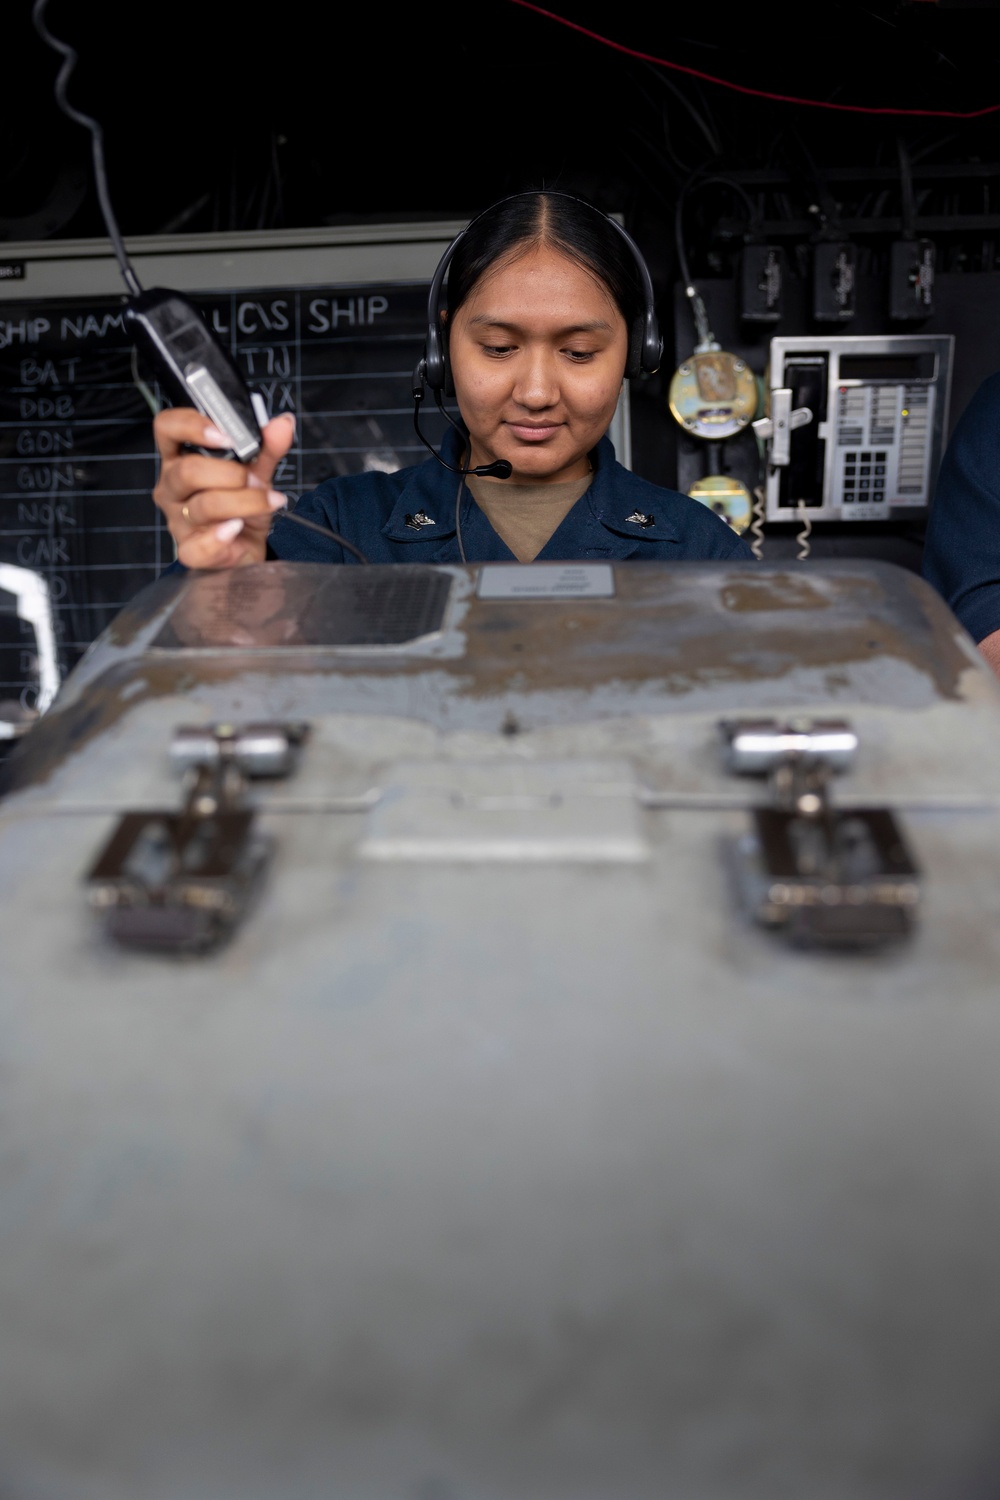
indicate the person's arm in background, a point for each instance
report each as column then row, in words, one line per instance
column 962, row 550
column 990, row 647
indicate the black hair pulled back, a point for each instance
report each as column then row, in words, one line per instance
column 568, row 224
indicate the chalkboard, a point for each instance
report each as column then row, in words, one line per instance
column 77, row 462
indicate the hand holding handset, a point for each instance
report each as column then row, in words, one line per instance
column 197, row 376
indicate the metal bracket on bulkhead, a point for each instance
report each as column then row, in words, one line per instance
column 823, row 875
column 178, row 881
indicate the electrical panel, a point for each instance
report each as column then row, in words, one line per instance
column 879, row 410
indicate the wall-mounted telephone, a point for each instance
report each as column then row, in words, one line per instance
column 880, row 408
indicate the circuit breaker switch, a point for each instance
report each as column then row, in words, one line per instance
column 761, row 275
column 834, row 281
column 911, row 280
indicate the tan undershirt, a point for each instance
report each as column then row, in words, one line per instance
column 525, row 516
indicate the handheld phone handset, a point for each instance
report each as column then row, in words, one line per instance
column 167, row 330
column 191, row 366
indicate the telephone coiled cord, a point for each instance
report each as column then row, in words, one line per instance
column 802, row 537
column 757, row 523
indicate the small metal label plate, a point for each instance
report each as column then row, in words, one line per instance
column 546, row 581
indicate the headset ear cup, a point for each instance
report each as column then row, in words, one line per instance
column 652, row 348
column 652, row 344
column 645, row 348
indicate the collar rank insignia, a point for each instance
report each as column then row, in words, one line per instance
column 639, row 518
column 418, row 520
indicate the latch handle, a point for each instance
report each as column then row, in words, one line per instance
column 755, row 747
column 256, row 750
column 777, row 429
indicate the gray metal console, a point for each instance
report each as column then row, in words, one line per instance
column 513, row 1123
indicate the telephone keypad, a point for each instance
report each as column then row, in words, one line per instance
column 864, row 477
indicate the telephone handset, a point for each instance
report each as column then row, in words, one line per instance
column 191, row 366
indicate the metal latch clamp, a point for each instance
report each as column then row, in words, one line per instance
column 824, row 875
column 178, row 881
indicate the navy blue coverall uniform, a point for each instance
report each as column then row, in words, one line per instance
column 962, row 550
column 409, row 517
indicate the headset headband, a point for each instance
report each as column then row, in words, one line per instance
column 645, row 341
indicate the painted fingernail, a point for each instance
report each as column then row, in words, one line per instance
column 276, row 500
column 229, row 529
column 214, row 438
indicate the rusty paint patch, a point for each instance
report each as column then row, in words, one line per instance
column 791, row 591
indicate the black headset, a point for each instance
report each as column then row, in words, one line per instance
column 645, row 341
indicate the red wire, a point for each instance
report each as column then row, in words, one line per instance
column 740, row 88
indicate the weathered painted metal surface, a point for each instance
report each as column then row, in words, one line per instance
column 498, row 1157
